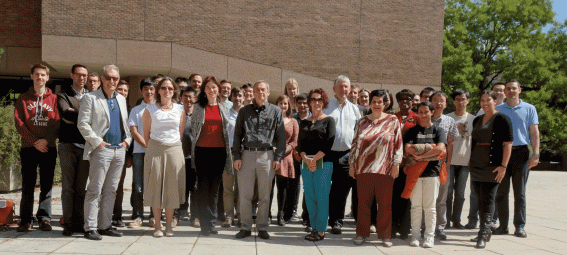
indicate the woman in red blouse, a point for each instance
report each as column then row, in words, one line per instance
column 211, row 151
column 286, row 173
column 374, row 162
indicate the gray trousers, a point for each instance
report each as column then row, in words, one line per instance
column 74, row 176
column 256, row 168
column 104, row 174
column 441, row 204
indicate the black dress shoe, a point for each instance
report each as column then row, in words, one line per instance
column 243, row 234
column 520, row 232
column 118, row 223
column 93, row 235
column 500, row 231
column 308, row 229
column 110, row 232
column 458, row 226
column 404, row 236
column 67, row 231
column 470, row 225
column 263, row 234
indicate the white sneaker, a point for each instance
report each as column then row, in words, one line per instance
column 428, row 242
column 372, row 229
column 387, row 242
column 414, row 242
column 359, row 240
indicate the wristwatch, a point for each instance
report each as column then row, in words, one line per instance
column 536, row 155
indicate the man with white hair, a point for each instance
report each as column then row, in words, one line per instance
column 103, row 122
column 346, row 115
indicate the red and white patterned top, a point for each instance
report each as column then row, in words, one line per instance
column 376, row 146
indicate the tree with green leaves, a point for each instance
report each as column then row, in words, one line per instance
column 490, row 40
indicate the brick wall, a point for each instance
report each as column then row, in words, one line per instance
column 20, row 23
column 380, row 41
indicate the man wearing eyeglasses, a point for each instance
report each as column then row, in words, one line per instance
column 74, row 169
column 103, row 122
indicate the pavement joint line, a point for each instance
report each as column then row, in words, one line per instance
column 63, row 246
column 537, row 248
column 134, row 242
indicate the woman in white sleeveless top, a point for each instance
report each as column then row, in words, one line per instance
column 164, row 165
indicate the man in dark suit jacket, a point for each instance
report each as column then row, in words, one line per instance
column 74, row 169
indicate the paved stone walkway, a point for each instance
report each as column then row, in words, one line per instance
column 546, row 228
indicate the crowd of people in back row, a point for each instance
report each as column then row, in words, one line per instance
column 203, row 151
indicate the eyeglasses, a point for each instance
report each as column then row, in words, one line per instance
column 81, row 75
column 319, row 100
column 111, row 78
column 167, row 88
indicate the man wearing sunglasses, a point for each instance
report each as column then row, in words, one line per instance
column 103, row 122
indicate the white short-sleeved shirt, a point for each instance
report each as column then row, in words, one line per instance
column 462, row 141
column 165, row 124
column 346, row 118
column 135, row 120
column 231, row 125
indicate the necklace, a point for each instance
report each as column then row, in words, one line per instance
column 166, row 107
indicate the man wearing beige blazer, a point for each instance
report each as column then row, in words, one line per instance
column 103, row 122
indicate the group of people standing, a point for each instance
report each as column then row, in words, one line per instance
column 200, row 145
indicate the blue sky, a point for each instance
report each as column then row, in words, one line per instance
column 560, row 9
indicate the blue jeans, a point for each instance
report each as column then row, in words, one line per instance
column 31, row 158
column 317, row 187
column 518, row 172
column 457, row 182
column 137, row 197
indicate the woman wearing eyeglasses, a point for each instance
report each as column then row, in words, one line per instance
column 164, row 164
column 211, row 151
column 315, row 139
column 401, row 206
column 374, row 160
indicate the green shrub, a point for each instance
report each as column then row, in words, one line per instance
column 10, row 139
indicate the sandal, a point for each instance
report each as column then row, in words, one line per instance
column 316, row 237
column 310, row 235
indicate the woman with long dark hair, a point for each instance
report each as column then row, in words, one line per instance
column 492, row 139
column 211, row 151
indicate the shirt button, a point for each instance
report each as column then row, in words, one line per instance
column 490, row 162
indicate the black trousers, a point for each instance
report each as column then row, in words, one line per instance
column 286, row 196
column 401, row 216
column 31, row 158
column 340, row 187
column 209, row 163
column 486, row 193
column 190, row 187
column 518, row 172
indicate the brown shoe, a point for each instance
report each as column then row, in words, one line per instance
column 24, row 227
column 136, row 223
column 45, row 225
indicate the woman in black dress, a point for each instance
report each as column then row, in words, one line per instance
column 492, row 140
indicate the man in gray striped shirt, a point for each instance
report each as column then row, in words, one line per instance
column 258, row 129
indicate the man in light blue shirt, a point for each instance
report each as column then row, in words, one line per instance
column 525, row 124
column 346, row 115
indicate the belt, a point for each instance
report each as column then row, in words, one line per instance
column 258, row 148
column 487, row 144
column 517, row 147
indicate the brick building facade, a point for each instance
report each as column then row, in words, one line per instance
column 391, row 44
